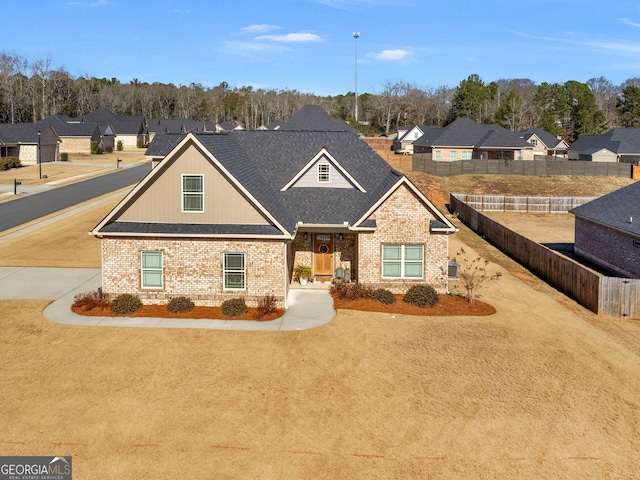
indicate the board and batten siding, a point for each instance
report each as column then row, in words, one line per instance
column 310, row 177
column 162, row 201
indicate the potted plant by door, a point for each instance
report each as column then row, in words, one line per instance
column 303, row 273
column 340, row 271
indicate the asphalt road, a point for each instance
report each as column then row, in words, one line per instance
column 23, row 210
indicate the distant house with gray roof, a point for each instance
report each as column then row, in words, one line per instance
column 465, row 139
column 76, row 135
column 26, row 140
column 224, row 215
column 607, row 231
column 544, row 143
column 130, row 130
column 617, row 145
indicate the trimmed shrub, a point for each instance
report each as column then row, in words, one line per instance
column 64, row 157
column 119, row 145
column 90, row 300
column 422, row 296
column 383, row 296
column 109, row 149
column 125, row 303
column 234, row 307
column 95, row 148
column 140, row 143
column 266, row 306
column 180, row 305
column 8, row 163
column 350, row 291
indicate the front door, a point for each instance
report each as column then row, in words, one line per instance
column 323, row 254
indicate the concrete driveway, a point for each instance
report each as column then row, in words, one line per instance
column 308, row 308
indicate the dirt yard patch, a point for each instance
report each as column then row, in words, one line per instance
column 539, row 227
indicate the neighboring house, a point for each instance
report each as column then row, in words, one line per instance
column 406, row 137
column 607, row 231
column 230, row 215
column 465, row 139
column 23, row 140
column 130, row 130
column 76, row 136
column 544, row 143
column 617, row 145
column 176, row 125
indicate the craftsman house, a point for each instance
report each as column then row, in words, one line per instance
column 226, row 215
column 607, row 231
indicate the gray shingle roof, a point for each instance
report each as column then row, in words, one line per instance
column 313, row 118
column 264, row 161
column 621, row 141
column 15, row 133
column 615, row 209
column 545, row 137
column 464, row 132
column 69, row 127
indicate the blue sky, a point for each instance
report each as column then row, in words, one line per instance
column 308, row 45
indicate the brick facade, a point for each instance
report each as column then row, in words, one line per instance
column 403, row 219
column 194, row 268
column 608, row 247
column 75, row 145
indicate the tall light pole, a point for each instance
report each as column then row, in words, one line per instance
column 355, row 36
column 39, row 160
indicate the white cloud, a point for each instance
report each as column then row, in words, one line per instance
column 391, row 55
column 290, row 38
column 249, row 48
column 629, row 22
column 259, row 28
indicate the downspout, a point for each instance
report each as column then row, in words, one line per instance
column 286, row 271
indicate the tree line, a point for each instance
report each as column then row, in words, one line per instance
column 32, row 90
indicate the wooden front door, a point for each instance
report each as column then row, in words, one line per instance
column 323, row 254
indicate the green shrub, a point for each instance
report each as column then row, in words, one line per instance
column 90, row 300
column 350, row 291
column 234, row 307
column 119, row 145
column 109, row 149
column 266, row 306
column 8, row 163
column 64, row 157
column 180, row 305
column 140, row 143
column 125, row 303
column 422, row 296
column 95, row 148
column 383, row 296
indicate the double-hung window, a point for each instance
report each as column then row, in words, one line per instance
column 193, row 193
column 235, row 271
column 323, row 173
column 466, row 155
column 151, row 270
column 402, row 261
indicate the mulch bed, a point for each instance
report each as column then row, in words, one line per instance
column 447, row 306
column 160, row 311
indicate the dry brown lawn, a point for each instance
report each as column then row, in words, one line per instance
column 79, row 167
column 541, row 389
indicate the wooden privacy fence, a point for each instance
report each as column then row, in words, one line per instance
column 422, row 162
column 510, row 203
column 603, row 295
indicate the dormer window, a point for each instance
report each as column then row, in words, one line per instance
column 323, row 173
column 534, row 142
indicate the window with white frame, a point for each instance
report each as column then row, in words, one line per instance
column 151, row 269
column 402, row 261
column 438, row 155
column 235, row 271
column 193, row 193
column 453, row 156
column 323, row 173
column 534, row 142
column 466, row 155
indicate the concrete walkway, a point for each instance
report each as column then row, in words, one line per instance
column 309, row 306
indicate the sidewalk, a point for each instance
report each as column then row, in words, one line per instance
column 308, row 307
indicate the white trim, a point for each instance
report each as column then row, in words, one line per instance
column 327, row 173
column 244, row 272
column 402, row 261
column 182, row 192
column 323, row 153
column 142, row 270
